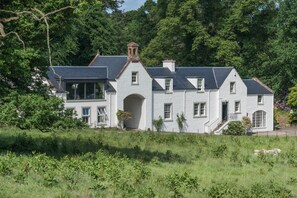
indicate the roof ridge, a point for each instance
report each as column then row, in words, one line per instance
column 215, row 77
column 262, row 84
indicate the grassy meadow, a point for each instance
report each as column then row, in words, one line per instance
column 95, row 163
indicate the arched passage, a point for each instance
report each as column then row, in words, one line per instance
column 135, row 104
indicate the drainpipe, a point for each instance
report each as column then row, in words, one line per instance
column 109, row 109
column 184, row 109
column 208, row 115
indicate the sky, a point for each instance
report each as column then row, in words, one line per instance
column 132, row 4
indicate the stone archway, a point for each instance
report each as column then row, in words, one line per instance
column 135, row 104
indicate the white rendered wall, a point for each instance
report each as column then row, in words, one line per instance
column 239, row 95
column 125, row 88
column 183, row 101
column 267, row 106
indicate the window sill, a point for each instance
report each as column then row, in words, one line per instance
column 91, row 100
column 168, row 120
column 168, row 92
column 200, row 91
column 134, row 83
column 260, row 103
column 204, row 116
column 237, row 112
column 232, row 92
column 259, row 127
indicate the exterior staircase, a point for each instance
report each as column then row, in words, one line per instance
column 219, row 129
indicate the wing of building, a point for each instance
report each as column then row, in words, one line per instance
column 209, row 97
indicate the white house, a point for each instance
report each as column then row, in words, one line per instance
column 209, row 97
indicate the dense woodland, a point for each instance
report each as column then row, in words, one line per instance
column 257, row 37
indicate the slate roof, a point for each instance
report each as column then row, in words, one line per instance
column 254, row 87
column 79, row 72
column 114, row 64
column 160, row 72
column 214, row 76
column 75, row 73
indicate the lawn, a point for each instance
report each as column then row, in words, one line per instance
column 95, row 163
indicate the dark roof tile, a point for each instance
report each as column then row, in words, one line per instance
column 114, row 64
column 254, row 87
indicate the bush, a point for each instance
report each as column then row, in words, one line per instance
column 34, row 111
column 234, row 128
column 123, row 116
column 158, row 123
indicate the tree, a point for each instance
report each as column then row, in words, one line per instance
column 292, row 102
column 31, row 111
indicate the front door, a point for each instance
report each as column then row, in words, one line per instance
column 224, row 111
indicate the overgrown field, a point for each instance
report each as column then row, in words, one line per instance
column 144, row 164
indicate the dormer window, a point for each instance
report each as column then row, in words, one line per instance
column 168, row 85
column 134, row 78
column 232, row 87
column 200, row 84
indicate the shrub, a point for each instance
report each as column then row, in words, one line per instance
column 34, row 111
column 234, row 128
column 181, row 121
column 158, row 123
column 123, row 116
column 246, row 122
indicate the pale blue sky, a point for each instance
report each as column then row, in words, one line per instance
column 132, row 4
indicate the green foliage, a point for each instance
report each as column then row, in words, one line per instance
column 123, row 116
column 246, row 122
column 158, row 123
column 139, row 164
column 33, row 111
column 181, row 121
column 234, row 128
column 292, row 102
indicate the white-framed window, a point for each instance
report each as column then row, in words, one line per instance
column 134, row 78
column 168, row 111
column 167, row 84
column 260, row 99
column 86, row 112
column 199, row 109
column 200, row 84
column 259, row 119
column 101, row 115
column 237, row 108
column 232, row 87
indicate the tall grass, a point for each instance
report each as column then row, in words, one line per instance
column 144, row 164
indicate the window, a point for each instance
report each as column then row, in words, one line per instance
column 86, row 114
column 200, row 84
column 85, row 91
column 167, row 84
column 237, row 107
column 167, row 111
column 232, row 87
column 134, row 77
column 259, row 119
column 260, row 99
column 101, row 115
column 199, row 109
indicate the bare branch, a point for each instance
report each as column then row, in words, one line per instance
column 19, row 38
column 47, row 35
column 2, row 32
column 59, row 10
column 34, row 16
